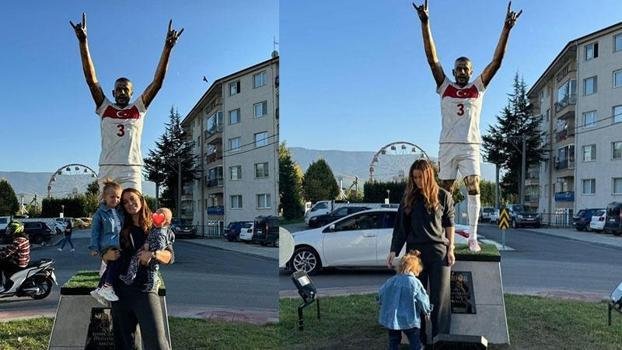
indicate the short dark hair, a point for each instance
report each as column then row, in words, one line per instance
column 122, row 80
column 462, row 58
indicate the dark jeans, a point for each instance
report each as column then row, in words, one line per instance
column 7, row 268
column 436, row 277
column 395, row 338
column 112, row 271
column 64, row 241
column 137, row 308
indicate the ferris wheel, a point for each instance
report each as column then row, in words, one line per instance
column 70, row 180
column 392, row 161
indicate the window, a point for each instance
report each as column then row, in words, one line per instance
column 261, row 170
column 566, row 93
column 589, row 119
column 260, row 109
column 214, row 123
column 617, row 185
column 617, row 114
column 259, row 79
column 591, row 51
column 617, row 78
column 617, row 42
column 261, row 139
column 616, row 150
column 234, row 116
column 234, row 144
column 236, row 201
column 589, row 153
column 234, row 88
column 235, row 172
column 263, row 201
column 590, row 86
column 589, row 186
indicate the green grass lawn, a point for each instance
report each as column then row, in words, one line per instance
column 351, row 323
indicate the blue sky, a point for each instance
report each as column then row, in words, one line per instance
column 354, row 74
column 48, row 117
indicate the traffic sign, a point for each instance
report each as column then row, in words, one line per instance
column 504, row 219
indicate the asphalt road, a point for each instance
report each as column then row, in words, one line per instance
column 200, row 277
column 539, row 264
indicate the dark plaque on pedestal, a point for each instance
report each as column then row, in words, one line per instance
column 462, row 293
column 100, row 336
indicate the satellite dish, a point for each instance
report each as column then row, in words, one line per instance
column 286, row 246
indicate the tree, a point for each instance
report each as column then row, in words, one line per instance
column 173, row 151
column 93, row 188
column 487, row 193
column 8, row 200
column 319, row 183
column 290, row 185
column 502, row 144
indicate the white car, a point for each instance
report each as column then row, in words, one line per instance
column 494, row 217
column 246, row 232
column 362, row 239
column 597, row 223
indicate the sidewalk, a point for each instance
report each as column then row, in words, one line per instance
column 240, row 247
column 584, row 236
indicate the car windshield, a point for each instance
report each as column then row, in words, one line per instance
column 519, row 208
column 489, row 210
column 599, row 212
column 247, row 225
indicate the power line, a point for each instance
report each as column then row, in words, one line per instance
column 234, row 151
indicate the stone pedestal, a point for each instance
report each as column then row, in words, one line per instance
column 77, row 310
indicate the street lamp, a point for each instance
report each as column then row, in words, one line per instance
column 307, row 292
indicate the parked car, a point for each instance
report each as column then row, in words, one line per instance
column 321, row 220
column 361, row 239
column 613, row 223
column 266, row 230
column 60, row 224
column 4, row 222
column 521, row 215
column 38, row 232
column 581, row 220
column 597, row 223
column 246, row 233
column 183, row 228
column 232, row 231
column 494, row 216
column 486, row 213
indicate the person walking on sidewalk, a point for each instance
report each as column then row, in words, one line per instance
column 67, row 239
column 425, row 222
column 403, row 300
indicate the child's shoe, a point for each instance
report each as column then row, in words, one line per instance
column 108, row 293
column 99, row 298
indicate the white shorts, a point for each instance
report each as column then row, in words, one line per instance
column 454, row 157
column 128, row 176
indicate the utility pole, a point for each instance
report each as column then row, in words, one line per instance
column 523, row 169
column 179, row 187
column 497, row 186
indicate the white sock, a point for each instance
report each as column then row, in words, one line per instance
column 473, row 212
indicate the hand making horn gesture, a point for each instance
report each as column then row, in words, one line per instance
column 511, row 16
column 422, row 11
column 80, row 28
column 172, row 35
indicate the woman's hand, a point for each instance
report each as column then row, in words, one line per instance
column 111, row 255
column 451, row 257
column 390, row 258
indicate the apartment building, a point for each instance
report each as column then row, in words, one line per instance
column 234, row 127
column 579, row 97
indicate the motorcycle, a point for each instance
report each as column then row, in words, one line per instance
column 33, row 281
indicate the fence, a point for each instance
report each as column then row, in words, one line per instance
column 211, row 230
column 557, row 219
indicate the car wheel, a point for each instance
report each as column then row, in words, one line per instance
column 306, row 259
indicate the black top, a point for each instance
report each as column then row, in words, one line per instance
column 138, row 238
column 421, row 226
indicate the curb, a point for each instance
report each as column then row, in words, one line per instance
column 229, row 249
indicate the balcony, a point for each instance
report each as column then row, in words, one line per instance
column 214, row 156
column 564, row 134
column 566, row 103
column 564, row 164
column 215, row 182
column 216, row 210
column 567, row 196
column 531, row 200
column 532, row 181
column 186, row 197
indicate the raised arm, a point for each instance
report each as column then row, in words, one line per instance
column 428, row 43
column 491, row 69
column 152, row 90
column 87, row 62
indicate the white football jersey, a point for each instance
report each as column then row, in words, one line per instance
column 460, row 111
column 121, row 131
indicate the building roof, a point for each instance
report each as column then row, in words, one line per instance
column 570, row 48
column 218, row 82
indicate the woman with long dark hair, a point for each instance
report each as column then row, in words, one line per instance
column 425, row 222
column 136, row 306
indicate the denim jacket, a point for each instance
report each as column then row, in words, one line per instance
column 105, row 228
column 402, row 300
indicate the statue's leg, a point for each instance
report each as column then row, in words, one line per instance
column 473, row 199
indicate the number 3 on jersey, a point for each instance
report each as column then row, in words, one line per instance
column 460, row 109
column 121, row 130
